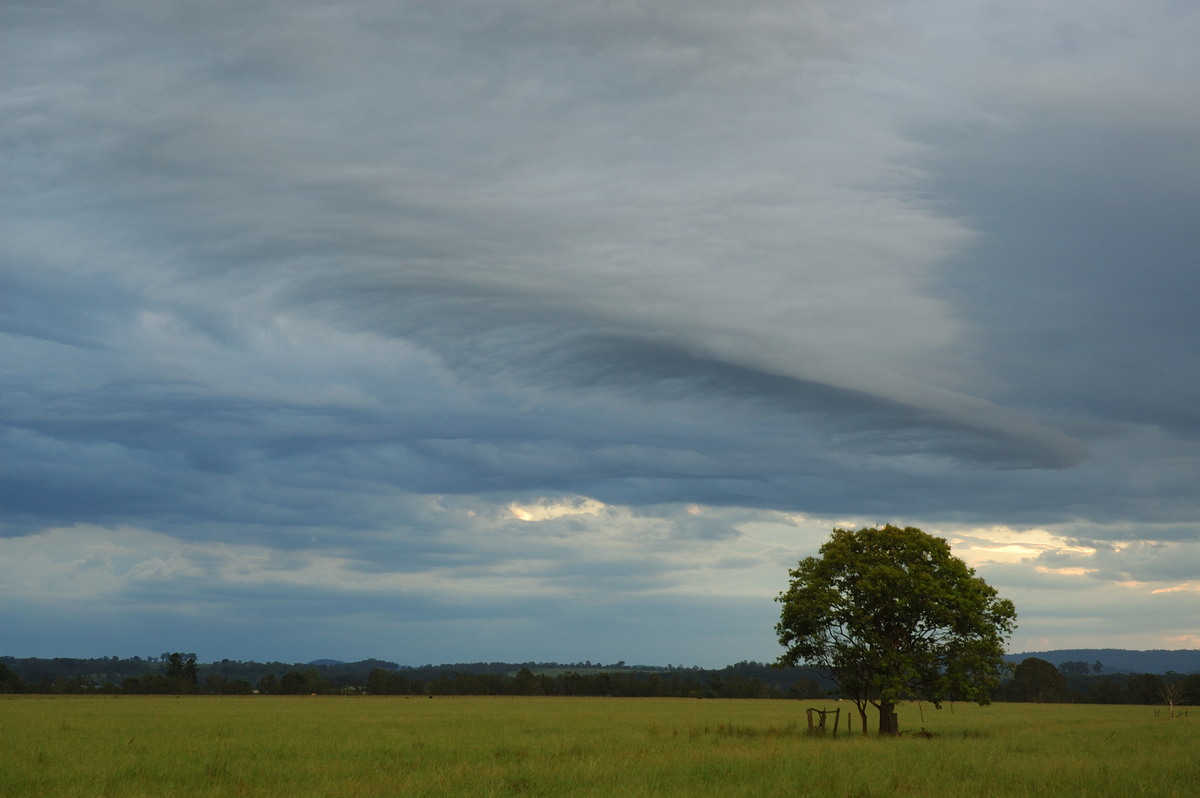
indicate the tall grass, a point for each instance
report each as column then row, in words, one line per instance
column 342, row 746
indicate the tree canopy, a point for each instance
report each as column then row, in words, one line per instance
column 890, row 613
column 1038, row 680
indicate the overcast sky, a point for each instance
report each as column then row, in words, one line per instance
column 531, row 330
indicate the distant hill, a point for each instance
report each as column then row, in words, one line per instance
column 1119, row 660
column 327, row 662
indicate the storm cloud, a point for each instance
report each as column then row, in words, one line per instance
column 486, row 330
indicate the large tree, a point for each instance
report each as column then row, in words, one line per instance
column 890, row 613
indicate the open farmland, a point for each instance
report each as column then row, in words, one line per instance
column 376, row 746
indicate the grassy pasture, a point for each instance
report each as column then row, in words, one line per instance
column 385, row 746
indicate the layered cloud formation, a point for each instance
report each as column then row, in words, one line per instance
column 541, row 331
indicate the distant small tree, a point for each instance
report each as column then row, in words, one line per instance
column 1074, row 668
column 181, row 672
column 10, row 682
column 296, row 683
column 1038, row 680
column 525, row 683
column 236, row 687
column 1172, row 695
column 182, row 667
column 293, row 683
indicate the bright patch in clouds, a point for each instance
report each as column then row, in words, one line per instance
column 546, row 509
column 985, row 545
column 1188, row 587
column 1073, row 571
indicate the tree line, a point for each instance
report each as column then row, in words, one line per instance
column 117, row 674
column 1037, row 680
column 178, row 673
column 744, row 680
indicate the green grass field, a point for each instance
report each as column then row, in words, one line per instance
column 377, row 746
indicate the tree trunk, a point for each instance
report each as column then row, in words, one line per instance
column 889, row 721
column 862, row 714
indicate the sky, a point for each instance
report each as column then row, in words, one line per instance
column 517, row 330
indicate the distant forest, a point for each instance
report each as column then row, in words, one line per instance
column 1033, row 679
column 1120, row 660
column 180, row 673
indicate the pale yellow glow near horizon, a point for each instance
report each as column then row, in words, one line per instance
column 1008, row 546
column 1041, row 569
column 1184, row 587
column 545, row 510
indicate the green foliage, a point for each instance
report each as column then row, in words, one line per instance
column 1073, row 668
column 381, row 681
column 378, row 677
column 1145, row 688
column 181, row 668
column 890, row 613
column 1036, row 680
column 1107, row 691
column 307, row 683
column 10, row 682
column 1124, row 688
column 61, row 676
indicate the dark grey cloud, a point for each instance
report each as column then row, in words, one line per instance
column 303, row 300
column 33, row 301
column 1082, row 278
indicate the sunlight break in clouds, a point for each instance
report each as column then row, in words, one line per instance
column 1069, row 571
column 1191, row 587
column 545, row 509
column 985, row 545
